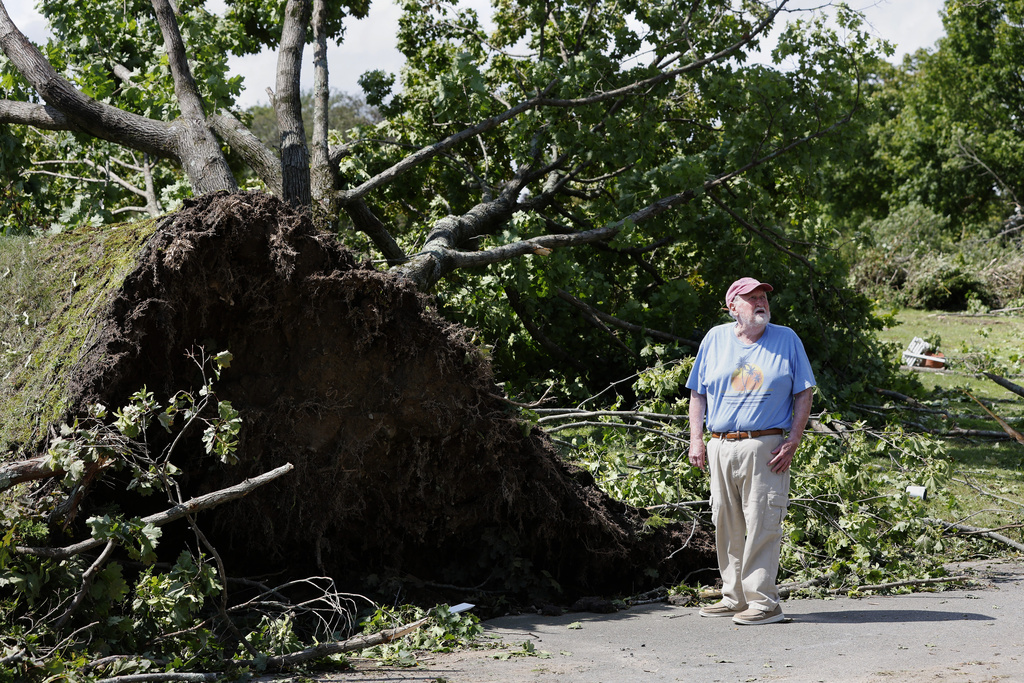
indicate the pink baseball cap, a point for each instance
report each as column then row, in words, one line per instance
column 745, row 285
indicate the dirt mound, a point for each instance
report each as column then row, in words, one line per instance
column 408, row 464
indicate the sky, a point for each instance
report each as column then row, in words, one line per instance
column 370, row 43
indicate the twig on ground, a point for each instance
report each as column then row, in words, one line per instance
column 167, row 676
column 900, row 584
column 988, row 493
column 87, row 579
column 623, row 425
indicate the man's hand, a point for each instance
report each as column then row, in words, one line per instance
column 787, row 449
column 784, row 455
column 698, row 453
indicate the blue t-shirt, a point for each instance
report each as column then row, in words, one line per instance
column 750, row 386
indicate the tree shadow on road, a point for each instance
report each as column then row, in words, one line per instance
column 887, row 616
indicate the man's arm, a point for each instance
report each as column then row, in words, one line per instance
column 787, row 449
column 699, row 406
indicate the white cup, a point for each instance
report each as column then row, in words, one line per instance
column 917, row 492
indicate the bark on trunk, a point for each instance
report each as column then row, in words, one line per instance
column 287, row 104
column 187, row 139
column 81, row 112
column 198, row 151
column 322, row 178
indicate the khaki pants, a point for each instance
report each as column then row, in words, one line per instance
column 748, row 502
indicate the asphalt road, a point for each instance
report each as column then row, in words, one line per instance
column 974, row 634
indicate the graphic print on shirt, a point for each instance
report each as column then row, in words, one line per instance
column 747, row 378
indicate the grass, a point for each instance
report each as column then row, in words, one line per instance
column 987, row 490
column 971, row 344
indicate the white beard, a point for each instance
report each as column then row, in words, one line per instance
column 756, row 320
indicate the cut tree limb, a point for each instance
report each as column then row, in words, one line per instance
column 26, row 470
column 357, row 643
column 975, row 530
column 1005, row 383
column 175, row 513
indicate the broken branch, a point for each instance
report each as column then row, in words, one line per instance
column 975, row 530
column 1005, row 383
column 26, row 470
column 175, row 513
column 338, row 647
column 1002, row 423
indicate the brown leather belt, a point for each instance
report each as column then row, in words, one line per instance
column 732, row 436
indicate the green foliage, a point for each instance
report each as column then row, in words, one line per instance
column 137, row 536
column 641, row 458
column 133, row 608
column 909, row 259
column 114, row 53
column 940, row 135
column 170, row 601
column 616, row 157
column 443, row 632
column 850, row 516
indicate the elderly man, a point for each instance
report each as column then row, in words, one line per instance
column 753, row 381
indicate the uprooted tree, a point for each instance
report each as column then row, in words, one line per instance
column 407, row 463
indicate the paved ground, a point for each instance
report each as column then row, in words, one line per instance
column 963, row 635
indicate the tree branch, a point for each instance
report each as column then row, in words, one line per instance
column 41, row 116
column 515, row 302
column 975, row 530
column 87, row 579
column 760, row 232
column 81, row 113
column 1002, row 423
column 26, row 470
column 542, row 100
column 191, row 506
column 328, row 649
column 366, row 221
column 322, row 180
column 260, row 158
column 1005, row 383
column 197, row 148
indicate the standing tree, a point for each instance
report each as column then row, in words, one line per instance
column 947, row 132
